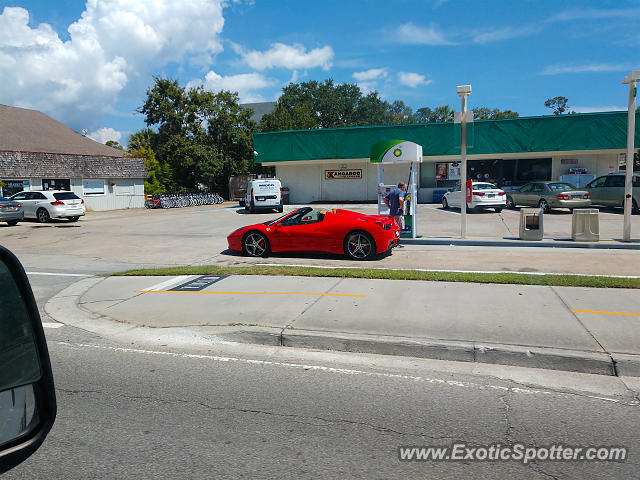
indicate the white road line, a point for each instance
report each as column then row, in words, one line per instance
column 61, row 274
column 171, row 281
column 52, row 325
column 447, row 271
column 346, row 371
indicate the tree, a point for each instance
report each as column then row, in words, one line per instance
column 558, row 105
column 159, row 180
column 328, row 105
column 442, row 113
column 424, row 115
column 141, row 138
column 483, row 113
column 203, row 137
column 114, row 144
column 402, row 113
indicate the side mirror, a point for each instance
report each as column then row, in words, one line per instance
column 449, row 189
column 27, row 394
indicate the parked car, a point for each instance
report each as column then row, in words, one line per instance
column 608, row 190
column 264, row 194
column 10, row 211
column 484, row 195
column 548, row 195
column 48, row 204
column 358, row 236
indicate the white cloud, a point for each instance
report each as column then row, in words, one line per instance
column 243, row 83
column 584, row 68
column 411, row 34
column 413, row 80
column 290, row 56
column 367, row 87
column 504, row 33
column 111, row 46
column 104, row 134
column 608, row 108
column 371, row 74
column 594, row 14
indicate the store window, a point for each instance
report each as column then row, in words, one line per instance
column 56, row 184
column 439, row 175
column 14, row 186
column 531, row 169
column 507, row 173
column 93, row 187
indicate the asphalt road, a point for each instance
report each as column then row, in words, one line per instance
column 129, row 412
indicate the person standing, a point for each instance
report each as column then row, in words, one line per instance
column 395, row 201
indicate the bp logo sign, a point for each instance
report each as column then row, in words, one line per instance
column 395, row 151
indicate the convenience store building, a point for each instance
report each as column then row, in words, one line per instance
column 332, row 165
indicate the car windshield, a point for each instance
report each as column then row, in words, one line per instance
column 484, row 186
column 281, row 217
column 560, row 187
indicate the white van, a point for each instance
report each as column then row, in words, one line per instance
column 263, row 194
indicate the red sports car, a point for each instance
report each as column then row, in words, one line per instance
column 307, row 229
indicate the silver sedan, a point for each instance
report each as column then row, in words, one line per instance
column 10, row 211
column 548, row 195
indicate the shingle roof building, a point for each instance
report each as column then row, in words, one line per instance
column 40, row 153
column 33, row 144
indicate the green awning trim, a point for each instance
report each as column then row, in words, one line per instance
column 377, row 151
column 583, row 131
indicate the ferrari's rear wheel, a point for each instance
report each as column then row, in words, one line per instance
column 255, row 244
column 445, row 203
column 359, row 246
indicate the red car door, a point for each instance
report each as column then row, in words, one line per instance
column 306, row 232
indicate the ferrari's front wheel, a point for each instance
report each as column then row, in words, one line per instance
column 255, row 244
column 359, row 246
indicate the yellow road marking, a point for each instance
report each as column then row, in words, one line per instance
column 606, row 313
column 255, row 293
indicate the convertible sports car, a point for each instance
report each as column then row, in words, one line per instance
column 357, row 235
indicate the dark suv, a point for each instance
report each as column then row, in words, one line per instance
column 608, row 190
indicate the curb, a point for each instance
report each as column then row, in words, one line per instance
column 64, row 308
column 519, row 243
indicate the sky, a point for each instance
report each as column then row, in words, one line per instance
column 89, row 64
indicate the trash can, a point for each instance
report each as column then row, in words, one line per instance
column 285, row 195
column 531, row 224
column 585, row 225
column 437, row 195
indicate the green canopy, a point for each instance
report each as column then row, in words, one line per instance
column 586, row 131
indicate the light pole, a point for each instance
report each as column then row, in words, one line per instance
column 464, row 91
column 631, row 79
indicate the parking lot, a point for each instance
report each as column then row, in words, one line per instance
column 197, row 236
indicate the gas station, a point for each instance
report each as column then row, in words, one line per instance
column 394, row 152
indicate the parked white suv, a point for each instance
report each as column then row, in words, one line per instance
column 264, row 194
column 47, row 204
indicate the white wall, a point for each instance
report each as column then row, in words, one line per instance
column 306, row 180
column 307, row 183
column 127, row 193
column 596, row 164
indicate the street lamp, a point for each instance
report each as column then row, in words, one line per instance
column 631, row 79
column 464, row 91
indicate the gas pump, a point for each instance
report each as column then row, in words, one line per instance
column 393, row 152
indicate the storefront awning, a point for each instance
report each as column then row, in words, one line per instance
column 587, row 131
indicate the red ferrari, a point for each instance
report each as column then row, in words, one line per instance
column 307, row 229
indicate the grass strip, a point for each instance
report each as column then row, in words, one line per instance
column 568, row 280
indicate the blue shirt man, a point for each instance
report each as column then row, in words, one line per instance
column 395, row 201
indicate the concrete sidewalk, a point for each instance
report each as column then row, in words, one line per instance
column 562, row 328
